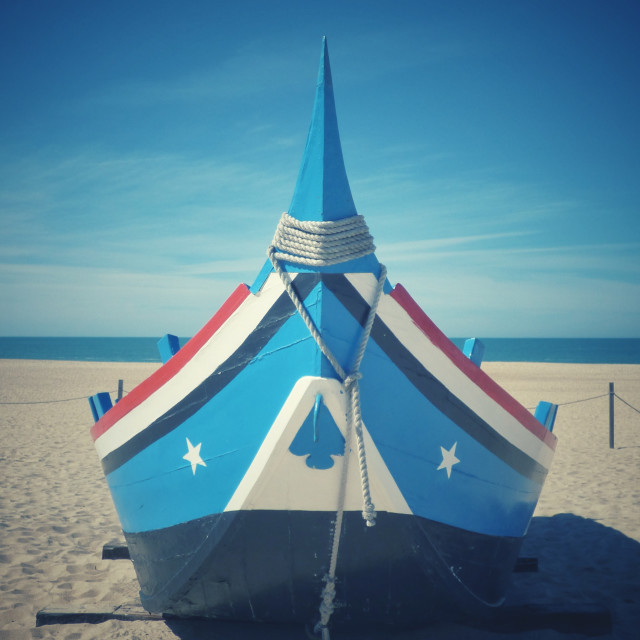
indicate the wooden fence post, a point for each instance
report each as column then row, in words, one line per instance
column 611, row 419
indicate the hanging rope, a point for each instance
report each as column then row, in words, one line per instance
column 350, row 381
column 625, row 402
column 322, row 244
column 602, row 395
column 55, row 401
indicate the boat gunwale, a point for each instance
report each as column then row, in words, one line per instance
column 479, row 377
column 399, row 294
column 170, row 368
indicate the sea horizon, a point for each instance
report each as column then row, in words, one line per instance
column 144, row 349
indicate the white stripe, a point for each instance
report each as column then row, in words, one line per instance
column 280, row 480
column 249, row 314
column 438, row 364
column 211, row 355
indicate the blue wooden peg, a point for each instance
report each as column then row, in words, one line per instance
column 546, row 414
column 168, row 346
column 474, row 350
column 100, row 404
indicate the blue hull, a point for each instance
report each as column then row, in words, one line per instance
column 245, row 532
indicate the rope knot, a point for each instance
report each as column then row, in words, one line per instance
column 328, row 595
column 326, row 605
column 351, row 379
column 369, row 514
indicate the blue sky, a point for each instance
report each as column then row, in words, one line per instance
column 148, row 148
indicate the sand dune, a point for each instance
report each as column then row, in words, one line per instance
column 56, row 511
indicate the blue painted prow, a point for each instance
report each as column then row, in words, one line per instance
column 322, row 192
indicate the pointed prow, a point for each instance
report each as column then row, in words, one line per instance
column 322, row 191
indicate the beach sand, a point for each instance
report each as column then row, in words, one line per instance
column 56, row 512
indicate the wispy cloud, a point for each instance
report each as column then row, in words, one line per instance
column 533, row 304
column 149, row 204
column 107, row 301
column 415, row 249
column 249, row 70
column 589, row 256
column 149, row 243
column 439, row 202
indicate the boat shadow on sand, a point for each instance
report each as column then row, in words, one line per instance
column 587, row 582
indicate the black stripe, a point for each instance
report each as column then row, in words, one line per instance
column 425, row 382
column 277, row 315
column 268, row 566
column 430, row 387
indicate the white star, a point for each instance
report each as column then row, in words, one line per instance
column 193, row 456
column 448, row 459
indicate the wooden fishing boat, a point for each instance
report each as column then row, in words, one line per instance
column 319, row 451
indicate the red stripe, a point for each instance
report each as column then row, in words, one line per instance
column 170, row 368
column 477, row 375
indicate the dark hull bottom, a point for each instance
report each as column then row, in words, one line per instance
column 269, row 566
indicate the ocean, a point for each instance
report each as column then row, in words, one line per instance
column 575, row 350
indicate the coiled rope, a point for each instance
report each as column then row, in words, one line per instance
column 321, row 243
column 326, row 243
